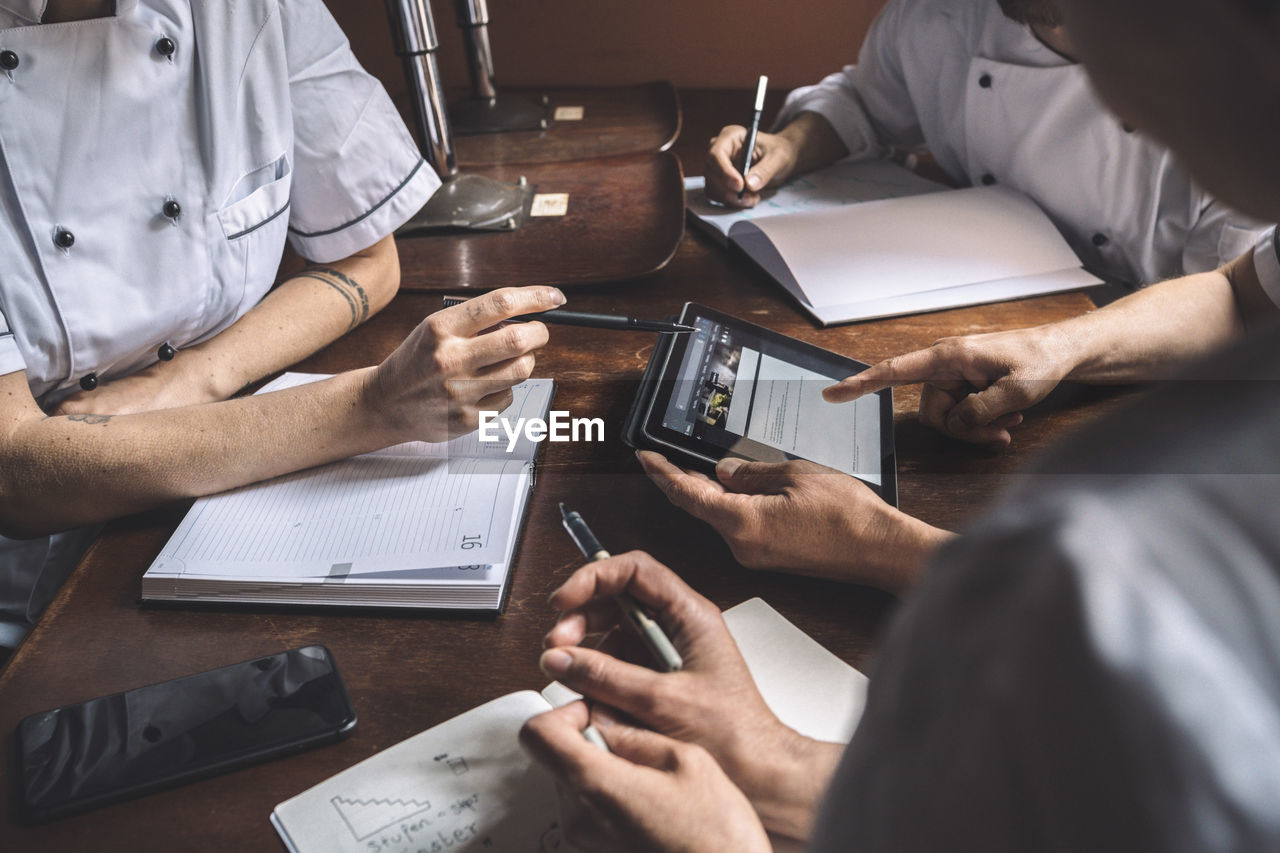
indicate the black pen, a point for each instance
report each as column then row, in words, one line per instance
column 650, row 631
column 595, row 321
column 749, row 149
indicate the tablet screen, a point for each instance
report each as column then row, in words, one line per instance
column 732, row 387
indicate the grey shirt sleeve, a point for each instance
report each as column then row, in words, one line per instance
column 1097, row 665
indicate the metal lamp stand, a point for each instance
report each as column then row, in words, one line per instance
column 465, row 201
column 487, row 111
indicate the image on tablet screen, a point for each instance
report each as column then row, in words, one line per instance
column 733, row 386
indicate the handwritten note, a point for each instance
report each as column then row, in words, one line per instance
column 463, row 785
column 835, row 186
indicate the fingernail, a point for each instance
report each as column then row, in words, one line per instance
column 555, row 662
column 600, row 716
column 753, row 182
column 727, row 467
column 955, row 424
column 556, row 296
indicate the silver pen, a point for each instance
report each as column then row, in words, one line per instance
column 650, row 631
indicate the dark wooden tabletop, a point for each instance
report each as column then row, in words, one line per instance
column 409, row 671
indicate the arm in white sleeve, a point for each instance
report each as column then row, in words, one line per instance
column 1266, row 263
column 868, row 105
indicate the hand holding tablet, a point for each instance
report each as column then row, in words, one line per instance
column 735, row 389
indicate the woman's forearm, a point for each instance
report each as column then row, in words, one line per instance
column 304, row 313
column 61, row 472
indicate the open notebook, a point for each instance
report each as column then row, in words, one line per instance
column 856, row 241
column 414, row 525
column 466, row 784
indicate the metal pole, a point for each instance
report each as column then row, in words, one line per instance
column 413, row 31
column 473, row 18
column 463, row 201
column 486, row 111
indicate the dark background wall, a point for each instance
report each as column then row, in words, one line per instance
column 692, row 43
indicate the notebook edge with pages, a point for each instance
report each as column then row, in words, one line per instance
column 885, row 184
column 390, row 580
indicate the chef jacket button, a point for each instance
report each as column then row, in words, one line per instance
column 1100, row 240
column 166, row 351
column 171, row 209
column 8, row 60
column 985, row 81
column 63, row 239
column 165, row 46
column 1127, row 128
column 988, row 179
column 89, row 381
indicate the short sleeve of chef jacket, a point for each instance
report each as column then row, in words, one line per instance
column 357, row 173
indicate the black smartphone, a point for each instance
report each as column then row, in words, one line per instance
column 96, row 752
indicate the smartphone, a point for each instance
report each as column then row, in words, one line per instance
column 82, row 756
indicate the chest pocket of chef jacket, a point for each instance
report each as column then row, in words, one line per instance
column 254, row 226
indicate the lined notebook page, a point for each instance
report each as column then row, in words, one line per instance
column 407, row 508
column 530, row 399
column 366, row 514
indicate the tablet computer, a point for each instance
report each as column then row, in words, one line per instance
column 732, row 388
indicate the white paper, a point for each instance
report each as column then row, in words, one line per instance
column 529, row 399
column 857, row 241
column 464, row 785
column 884, row 249
column 468, row 776
column 834, row 186
column 443, row 514
column 954, row 297
column 809, row 688
column 366, row 514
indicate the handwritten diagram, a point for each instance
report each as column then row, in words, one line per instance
column 366, row 818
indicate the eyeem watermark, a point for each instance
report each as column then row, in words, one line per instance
column 558, row 427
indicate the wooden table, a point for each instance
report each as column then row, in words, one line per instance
column 408, row 671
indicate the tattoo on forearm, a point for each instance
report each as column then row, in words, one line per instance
column 90, row 419
column 347, row 287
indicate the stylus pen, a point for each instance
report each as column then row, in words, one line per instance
column 595, row 321
column 650, row 631
column 749, row 149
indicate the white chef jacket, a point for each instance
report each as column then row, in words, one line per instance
column 993, row 104
column 253, row 117
column 1097, row 665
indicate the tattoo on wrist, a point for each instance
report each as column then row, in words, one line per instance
column 89, row 419
column 347, row 287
